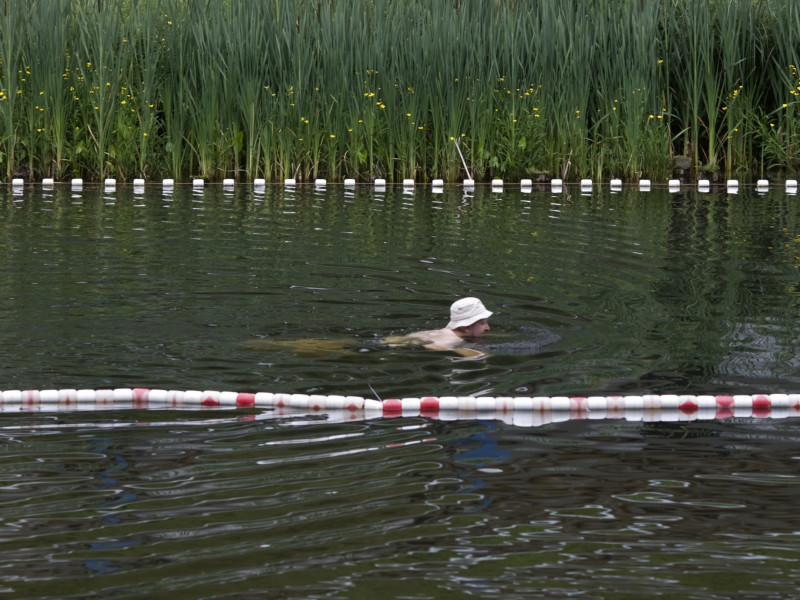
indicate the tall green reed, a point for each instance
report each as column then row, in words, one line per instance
column 46, row 53
column 385, row 88
column 101, row 57
column 177, row 47
column 632, row 120
column 144, row 80
column 206, row 88
column 697, row 80
column 12, row 35
column 776, row 120
column 247, row 75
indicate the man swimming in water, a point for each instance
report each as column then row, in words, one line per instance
column 468, row 322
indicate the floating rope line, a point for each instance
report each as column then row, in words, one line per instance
column 517, row 410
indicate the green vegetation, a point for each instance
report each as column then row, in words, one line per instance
column 385, row 88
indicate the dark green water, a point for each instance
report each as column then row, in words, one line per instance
column 602, row 293
column 593, row 294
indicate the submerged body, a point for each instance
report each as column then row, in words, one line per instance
column 306, row 346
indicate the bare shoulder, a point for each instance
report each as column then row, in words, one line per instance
column 436, row 339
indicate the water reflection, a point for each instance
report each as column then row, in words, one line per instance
column 234, row 506
column 632, row 292
column 594, row 294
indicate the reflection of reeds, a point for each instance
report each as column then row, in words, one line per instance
column 382, row 88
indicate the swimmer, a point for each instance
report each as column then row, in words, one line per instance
column 469, row 321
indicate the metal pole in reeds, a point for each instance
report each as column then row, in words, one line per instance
column 463, row 162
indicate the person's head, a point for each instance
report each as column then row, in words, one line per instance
column 469, row 318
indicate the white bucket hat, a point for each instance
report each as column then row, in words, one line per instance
column 466, row 311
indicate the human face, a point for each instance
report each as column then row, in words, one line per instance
column 477, row 329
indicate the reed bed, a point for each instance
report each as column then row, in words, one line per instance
column 388, row 88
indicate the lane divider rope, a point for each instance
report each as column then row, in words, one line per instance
column 658, row 407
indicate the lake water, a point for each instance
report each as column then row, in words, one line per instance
column 594, row 294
